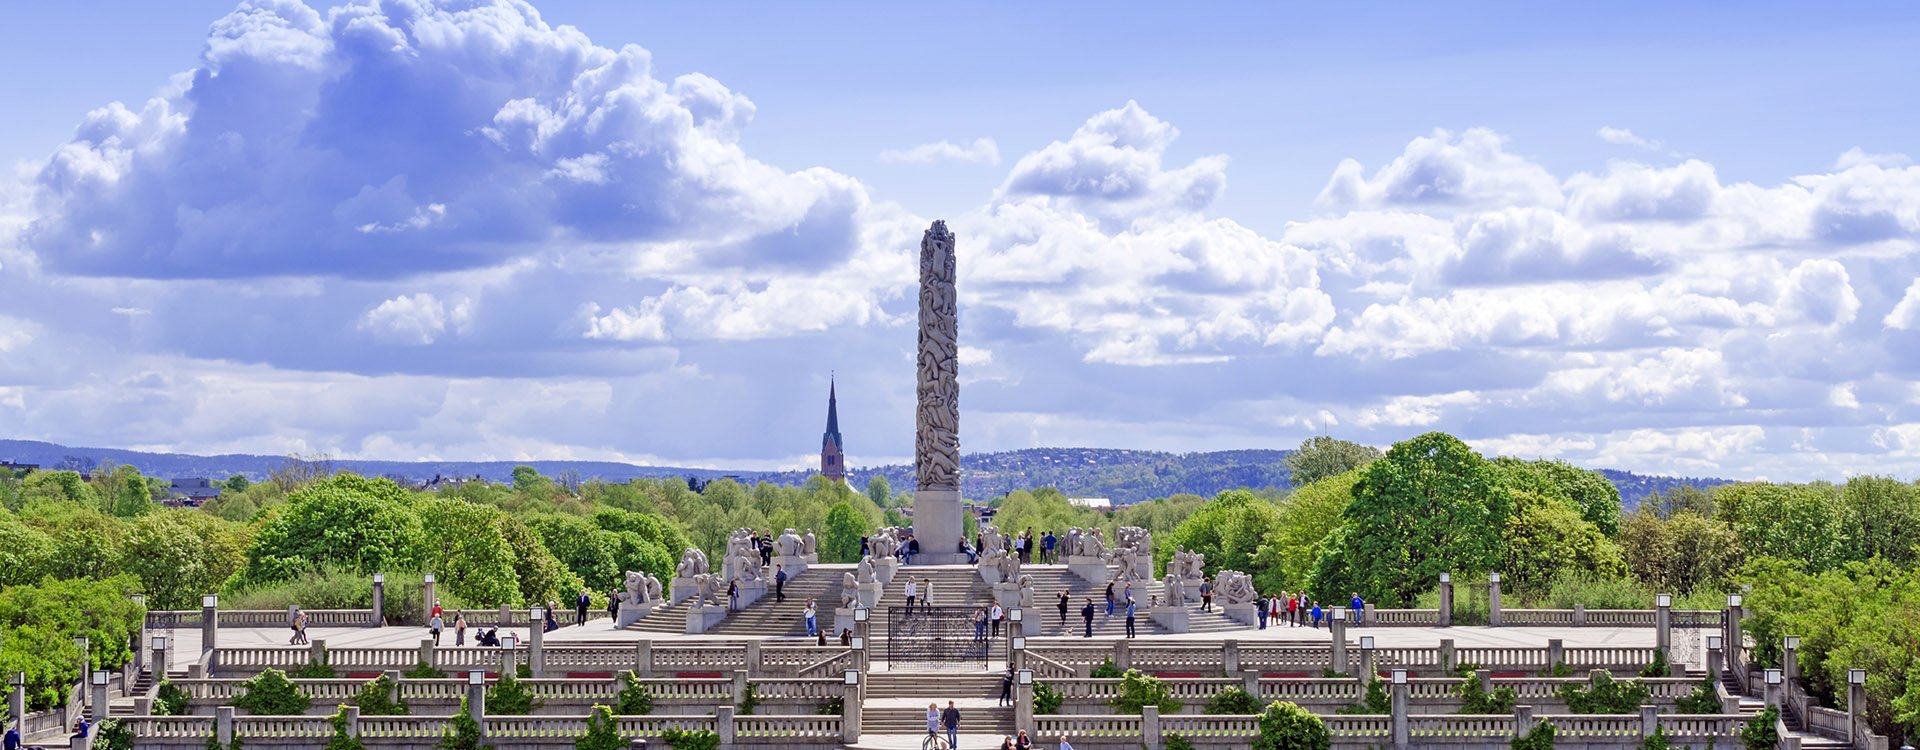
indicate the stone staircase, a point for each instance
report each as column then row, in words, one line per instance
column 1751, row 705
column 1050, row 580
column 765, row 617
column 897, row 705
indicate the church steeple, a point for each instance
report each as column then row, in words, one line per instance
column 833, row 460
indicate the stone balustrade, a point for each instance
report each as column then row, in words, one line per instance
column 1100, row 732
column 557, row 694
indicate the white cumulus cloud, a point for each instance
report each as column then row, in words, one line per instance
column 977, row 151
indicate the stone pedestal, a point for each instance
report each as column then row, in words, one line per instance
column 885, row 568
column 700, row 619
column 868, row 594
column 836, row 620
column 813, row 559
column 1245, row 614
column 680, row 588
column 989, row 573
column 1192, row 588
column 1089, row 568
column 936, row 523
column 1171, row 619
column 1140, row 566
column 631, row 613
column 752, row 591
column 1007, row 594
column 793, row 564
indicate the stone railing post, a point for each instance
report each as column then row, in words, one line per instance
column 1663, row 622
column 1485, row 678
column 1230, row 658
column 1398, row 701
column 1367, row 671
column 1522, row 721
column 1017, row 652
column 429, row 596
column 643, row 657
column 753, row 656
column 1716, row 661
column 1446, row 600
column 1023, row 699
column 506, row 617
column 1556, row 653
column 139, row 638
column 1856, row 698
column 1366, row 615
column 427, row 655
column 1123, row 655
column 17, row 700
column 739, row 683
column 1579, row 615
column 850, row 709
column 1735, row 637
column 1250, row 682
column 352, row 715
column 1494, row 618
column 317, row 652
column 1338, row 626
column 1447, row 657
column 1772, row 679
column 223, row 725
column 143, row 706
column 477, row 698
column 393, row 685
column 723, row 725
column 1149, row 726
column 1649, row 721
column 379, row 600
column 209, row 623
column 1790, row 671
column 98, row 695
column 159, row 661
column 536, row 642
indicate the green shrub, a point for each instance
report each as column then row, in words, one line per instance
column 601, row 732
column 1373, row 703
column 1139, row 689
column 112, row 734
column 1470, row 604
column 1538, row 738
column 1605, row 696
column 1658, row 741
column 313, row 671
column 749, row 699
column 1475, row 699
column 341, row 740
column 270, row 693
column 1046, row 700
column 463, row 733
column 834, row 706
column 42, row 619
column 634, row 698
column 1559, row 669
column 683, row 739
column 1703, row 700
column 425, row 671
column 1105, row 671
column 508, row 697
column 377, row 698
column 1287, row 726
column 1233, row 701
column 1760, row 733
column 171, row 700
column 1176, row 742
column 1658, row 667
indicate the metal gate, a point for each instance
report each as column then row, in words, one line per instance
column 936, row 637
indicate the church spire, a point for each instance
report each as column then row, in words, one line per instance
column 833, row 461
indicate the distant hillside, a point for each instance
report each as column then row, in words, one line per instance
column 1123, row 476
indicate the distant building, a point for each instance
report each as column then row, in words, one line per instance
column 193, row 491
column 18, row 469
column 833, row 457
column 1095, row 503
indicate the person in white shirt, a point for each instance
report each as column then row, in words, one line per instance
column 996, row 616
column 1064, row 744
column 913, row 589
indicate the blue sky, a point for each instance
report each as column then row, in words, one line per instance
column 1668, row 239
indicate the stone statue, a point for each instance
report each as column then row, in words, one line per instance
column 1026, row 593
column 1234, row 587
column 788, row 545
column 1176, row 589
column 1188, row 565
column 1093, row 543
column 937, row 442
column 706, row 590
column 991, row 543
column 884, row 543
column 864, row 572
column 746, row 567
column 740, row 543
column 693, row 563
column 807, row 544
column 1072, row 546
column 849, row 591
column 642, row 589
column 1007, row 565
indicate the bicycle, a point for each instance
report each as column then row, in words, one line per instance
column 935, row 742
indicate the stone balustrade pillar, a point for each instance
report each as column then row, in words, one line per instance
column 1772, row 688
column 352, row 715
column 429, row 595
column 1663, row 623
column 1368, row 672
column 1250, row 682
column 850, row 708
column 393, row 685
column 536, row 641
column 753, row 656
column 723, row 725
column 86, row 656
column 1716, row 663
column 142, row 706
column 1402, row 738
column 223, row 725
column 1023, row 699
column 97, row 705
column 739, row 684
column 1485, row 678
column 140, row 637
column 1149, row 726
column 1649, row 720
column 1856, row 699
column 1447, row 657
column 1123, row 655
column 1790, row 670
column 1230, row 658
column 427, row 655
column 159, row 662
column 317, row 652
column 1556, row 652
column 1579, row 615
column 379, row 615
column 1494, row 618
column 643, row 657
column 477, row 699
column 17, row 700
column 1337, row 624
column 1735, row 638
column 1522, row 721
column 209, row 623
column 1446, row 600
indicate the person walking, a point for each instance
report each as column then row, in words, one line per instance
column 779, row 583
column 1086, row 616
column 1109, row 598
column 613, row 606
column 1274, row 607
column 1359, row 607
column 1006, row 687
column 433, row 625
column 913, row 590
column 580, row 606
column 997, row 615
column 733, row 595
column 979, row 625
column 459, row 628
column 926, row 592
column 1064, row 744
column 950, row 719
column 1260, row 609
column 1047, row 543
column 933, row 720
column 1293, row 610
column 813, row 627
column 1063, row 609
column 1206, row 595
column 1130, row 608
column 300, row 627
column 1316, row 616
column 13, row 738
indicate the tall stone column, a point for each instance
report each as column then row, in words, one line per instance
column 1446, row 600
column 936, row 496
column 379, row 600
column 1494, row 617
column 17, row 699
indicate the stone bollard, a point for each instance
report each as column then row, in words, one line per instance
column 1790, row 668
column 753, row 656
column 98, row 696
column 1579, row 615
column 1856, row 697
column 223, row 725
column 317, row 652
column 1556, row 653
column 1522, row 721
column 723, row 725
column 17, row 700
column 1735, row 639
column 1250, row 682
column 209, row 623
column 1772, row 680
column 1398, row 702
column 1446, row 600
column 379, row 616
column 393, row 685
column 1494, row 618
column 1447, row 656
column 143, row 706
column 739, row 684
column 427, row 655
column 1230, row 658
column 429, row 596
column 643, row 657
column 1366, row 615
column 1023, row 698
column 1123, row 655
column 1716, row 661
column 1649, row 721
column 352, row 715
column 1337, row 623
column 159, row 661
column 1149, row 726
column 477, row 698
column 1368, row 672
column 536, row 641
column 1485, row 678
column 1663, row 622
column 850, row 709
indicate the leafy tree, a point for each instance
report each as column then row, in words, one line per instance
column 1046, row 700
column 236, row 483
column 1605, row 695
column 1427, row 508
column 270, row 693
column 24, row 552
column 61, row 486
column 180, row 555
column 1793, row 522
column 601, row 732
column 1229, row 531
column 1307, row 518
column 171, row 700
column 1287, row 726
column 1878, row 517
column 1320, row 457
column 1546, row 538
column 840, row 541
column 344, row 519
column 879, row 491
column 86, row 543
column 464, row 545
column 586, row 550
column 1476, row 699
column 1705, row 553
column 1761, row 732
